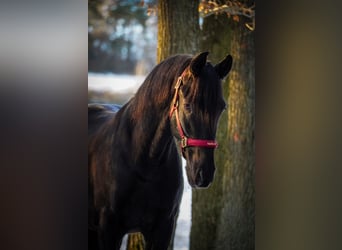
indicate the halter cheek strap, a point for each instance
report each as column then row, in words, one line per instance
column 186, row 141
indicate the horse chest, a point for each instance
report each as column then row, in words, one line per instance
column 148, row 202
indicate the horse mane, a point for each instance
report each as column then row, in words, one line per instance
column 157, row 88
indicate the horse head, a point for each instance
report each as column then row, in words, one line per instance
column 195, row 110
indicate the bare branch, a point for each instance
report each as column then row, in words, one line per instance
column 231, row 8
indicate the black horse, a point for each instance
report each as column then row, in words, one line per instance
column 134, row 152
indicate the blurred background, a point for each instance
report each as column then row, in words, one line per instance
column 122, row 47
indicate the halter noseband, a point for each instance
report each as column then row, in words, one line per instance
column 186, row 141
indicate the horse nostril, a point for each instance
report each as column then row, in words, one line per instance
column 199, row 178
column 201, row 181
column 201, row 174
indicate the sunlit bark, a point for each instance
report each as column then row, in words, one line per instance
column 135, row 241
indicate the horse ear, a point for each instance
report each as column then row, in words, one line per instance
column 224, row 66
column 198, row 62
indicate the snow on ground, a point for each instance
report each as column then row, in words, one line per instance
column 114, row 82
column 182, row 234
column 128, row 83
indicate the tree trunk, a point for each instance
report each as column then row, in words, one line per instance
column 223, row 215
column 178, row 31
column 237, row 227
column 135, row 241
column 178, row 27
column 207, row 204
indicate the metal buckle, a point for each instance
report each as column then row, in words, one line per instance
column 184, row 142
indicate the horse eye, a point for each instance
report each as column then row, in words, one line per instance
column 187, row 107
column 224, row 106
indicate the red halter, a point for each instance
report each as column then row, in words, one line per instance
column 186, row 141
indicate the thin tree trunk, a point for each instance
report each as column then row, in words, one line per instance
column 135, row 241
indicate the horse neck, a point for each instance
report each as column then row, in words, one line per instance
column 151, row 133
column 152, row 137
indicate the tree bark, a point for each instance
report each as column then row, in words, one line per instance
column 207, row 204
column 223, row 216
column 236, row 229
column 178, row 31
column 135, row 241
column 178, row 27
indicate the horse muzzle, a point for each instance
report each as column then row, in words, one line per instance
column 199, row 176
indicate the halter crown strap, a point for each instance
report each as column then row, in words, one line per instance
column 185, row 141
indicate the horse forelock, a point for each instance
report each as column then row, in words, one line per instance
column 205, row 94
column 206, row 90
